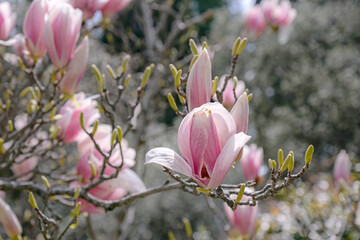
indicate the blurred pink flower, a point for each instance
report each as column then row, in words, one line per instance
column 62, row 31
column 243, row 218
column 283, row 14
column 198, row 87
column 255, row 20
column 7, row 20
column 76, row 68
column 34, row 27
column 228, row 94
column 114, row 6
column 70, row 116
column 9, row 220
column 209, row 144
column 342, row 168
column 23, row 165
column 88, row 7
column 251, row 161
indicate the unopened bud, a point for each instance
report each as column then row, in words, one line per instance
column 113, row 137
column 214, row 85
column 48, row 106
column 172, row 102
column 54, row 131
column 127, row 80
column 273, row 163
column 125, row 62
column 2, row 150
column 181, row 99
column 204, row 45
column 24, row 92
column 92, row 167
column 98, row 74
column 21, row 64
column 193, row 47
column 286, row 163
column 10, row 126
column 240, row 194
column 95, row 127
column 309, row 153
column 291, row 163
column 82, row 120
column 171, row 235
column 202, row 190
column 188, row 228
column 177, row 79
column 38, row 93
column 280, row 157
column 32, row 201
column 146, row 76
column 236, row 45
column 241, row 46
column 250, row 97
column 235, row 81
column 173, row 70
column 77, row 192
column 111, row 71
column 192, row 62
column 46, row 182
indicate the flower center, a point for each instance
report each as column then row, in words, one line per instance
column 204, row 172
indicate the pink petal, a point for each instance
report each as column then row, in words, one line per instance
column 240, row 113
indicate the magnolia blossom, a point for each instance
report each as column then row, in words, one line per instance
column 7, row 20
column 9, row 220
column 115, row 189
column 251, row 161
column 70, row 116
column 282, row 15
column 77, row 67
column 88, row 7
column 114, row 6
column 243, row 218
column 198, row 87
column 22, row 165
column 228, row 98
column 342, row 168
column 34, row 27
column 255, row 20
column 62, row 32
column 209, row 143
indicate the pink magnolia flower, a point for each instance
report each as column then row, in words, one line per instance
column 77, row 67
column 342, row 168
column 283, row 15
column 62, row 32
column 70, row 116
column 240, row 113
column 255, row 20
column 115, row 189
column 269, row 8
column 22, row 165
column 251, row 161
column 34, row 27
column 228, row 94
column 209, row 144
column 9, row 220
column 243, row 218
column 198, row 87
column 7, row 20
column 114, row 6
column 88, row 7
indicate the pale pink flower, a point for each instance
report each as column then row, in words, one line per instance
column 283, row 15
column 240, row 113
column 88, row 7
column 251, row 161
column 209, row 144
column 9, row 220
column 76, row 68
column 114, row 6
column 243, row 219
column 342, row 168
column 255, row 20
column 7, row 20
column 127, row 181
column 62, row 31
column 228, row 99
column 269, row 8
column 34, row 27
column 70, row 116
column 23, row 165
column 198, row 87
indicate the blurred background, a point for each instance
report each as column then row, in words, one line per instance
column 306, row 90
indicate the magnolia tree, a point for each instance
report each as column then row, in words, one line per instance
column 45, row 121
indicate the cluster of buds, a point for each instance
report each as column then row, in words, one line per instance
column 269, row 12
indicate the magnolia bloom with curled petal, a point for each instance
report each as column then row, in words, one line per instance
column 34, row 27
column 243, row 218
column 114, row 6
column 198, row 87
column 209, row 145
column 342, row 168
column 251, row 161
column 7, row 20
column 88, row 7
column 9, row 220
column 283, row 15
column 69, row 122
column 62, row 30
column 255, row 20
column 127, row 181
column 76, row 68
column 228, row 94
